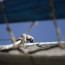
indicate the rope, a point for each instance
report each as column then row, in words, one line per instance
column 32, row 25
column 54, row 20
column 6, row 21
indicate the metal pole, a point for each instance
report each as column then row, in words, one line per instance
column 4, row 47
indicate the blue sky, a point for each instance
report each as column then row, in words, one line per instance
column 44, row 31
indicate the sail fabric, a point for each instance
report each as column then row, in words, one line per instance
column 31, row 10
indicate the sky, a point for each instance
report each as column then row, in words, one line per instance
column 44, row 31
